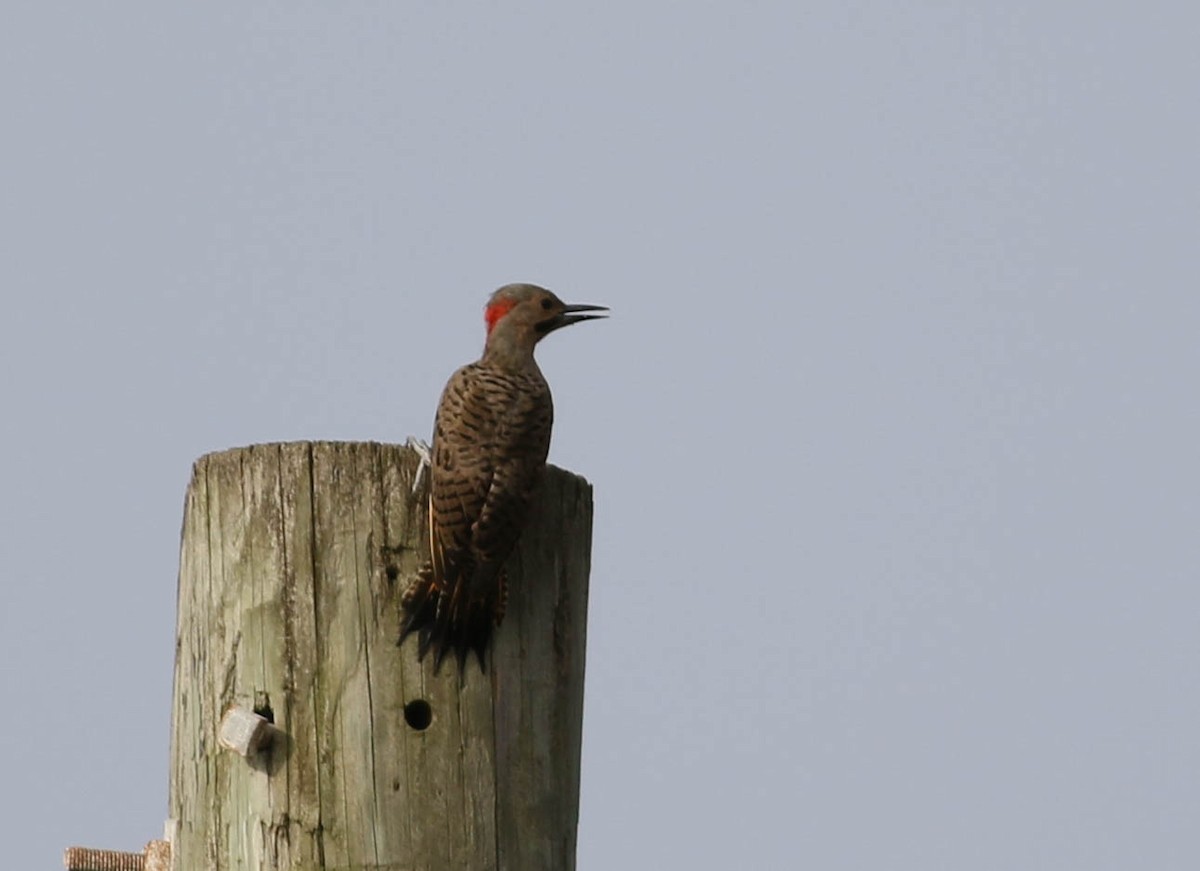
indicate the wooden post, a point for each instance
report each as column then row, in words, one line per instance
column 293, row 561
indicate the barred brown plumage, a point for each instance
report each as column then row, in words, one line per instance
column 490, row 441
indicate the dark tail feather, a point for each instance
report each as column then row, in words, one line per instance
column 451, row 619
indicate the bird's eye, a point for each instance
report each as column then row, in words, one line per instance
column 547, row 304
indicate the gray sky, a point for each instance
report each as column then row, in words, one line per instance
column 893, row 431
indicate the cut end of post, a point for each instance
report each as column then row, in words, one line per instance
column 244, row 732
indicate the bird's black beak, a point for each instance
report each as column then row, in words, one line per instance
column 572, row 314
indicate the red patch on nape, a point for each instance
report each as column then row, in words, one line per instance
column 497, row 310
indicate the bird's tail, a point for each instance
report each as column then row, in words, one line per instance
column 452, row 617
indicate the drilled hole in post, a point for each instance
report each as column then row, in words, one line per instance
column 392, row 573
column 418, row 714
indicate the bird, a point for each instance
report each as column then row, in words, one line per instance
column 491, row 436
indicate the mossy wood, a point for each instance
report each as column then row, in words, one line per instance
column 293, row 561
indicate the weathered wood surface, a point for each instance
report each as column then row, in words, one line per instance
column 293, row 561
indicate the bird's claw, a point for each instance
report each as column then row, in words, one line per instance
column 422, row 448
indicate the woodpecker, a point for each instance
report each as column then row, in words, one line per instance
column 490, row 440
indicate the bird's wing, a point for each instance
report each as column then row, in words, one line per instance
column 461, row 473
column 490, row 441
column 522, row 440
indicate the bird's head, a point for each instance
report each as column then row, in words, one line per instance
column 522, row 314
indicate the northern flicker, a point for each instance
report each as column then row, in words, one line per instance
column 490, row 441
